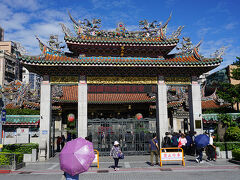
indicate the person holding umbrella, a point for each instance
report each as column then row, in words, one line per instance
column 76, row 157
column 201, row 141
column 115, row 153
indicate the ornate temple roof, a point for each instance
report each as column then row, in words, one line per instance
column 212, row 104
column 105, row 52
column 22, row 120
column 70, row 95
column 56, row 60
column 151, row 41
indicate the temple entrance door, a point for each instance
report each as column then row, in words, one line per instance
column 132, row 134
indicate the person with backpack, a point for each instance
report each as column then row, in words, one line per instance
column 154, row 149
column 174, row 140
column 189, row 144
column 167, row 140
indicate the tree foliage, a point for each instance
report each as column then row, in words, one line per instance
column 232, row 134
column 236, row 72
column 227, row 120
column 228, row 92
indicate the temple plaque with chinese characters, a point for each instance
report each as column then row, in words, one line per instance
column 177, row 80
column 121, row 80
column 64, row 79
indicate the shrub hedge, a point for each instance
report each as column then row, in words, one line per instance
column 230, row 145
column 7, row 158
column 20, row 148
column 236, row 154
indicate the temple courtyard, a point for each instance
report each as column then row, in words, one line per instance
column 133, row 167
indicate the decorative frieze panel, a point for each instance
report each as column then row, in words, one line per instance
column 64, row 79
column 121, row 80
column 178, row 80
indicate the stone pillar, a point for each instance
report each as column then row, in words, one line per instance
column 175, row 124
column 162, row 112
column 195, row 107
column 45, row 116
column 82, row 107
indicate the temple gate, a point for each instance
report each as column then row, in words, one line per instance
column 119, row 57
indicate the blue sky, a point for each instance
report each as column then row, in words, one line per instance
column 214, row 21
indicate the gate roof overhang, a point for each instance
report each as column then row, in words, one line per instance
column 61, row 65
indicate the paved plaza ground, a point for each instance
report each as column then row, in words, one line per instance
column 132, row 167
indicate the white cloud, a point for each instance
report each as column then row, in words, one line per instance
column 15, row 22
column 231, row 25
column 209, row 47
column 30, row 5
column 108, row 4
column 5, row 11
column 170, row 3
column 203, row 31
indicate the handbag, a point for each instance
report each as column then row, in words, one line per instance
column 121, row 155
column 179, row 144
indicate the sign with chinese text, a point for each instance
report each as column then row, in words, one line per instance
column 121, row 80
column 64, row 79
column 171, row 156
column 177, row 80
column 122, row 88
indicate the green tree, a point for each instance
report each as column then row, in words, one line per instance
column 228, row 93
column 227, row 120
column 236, row 72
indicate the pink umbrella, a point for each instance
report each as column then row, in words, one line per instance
column 77, row 156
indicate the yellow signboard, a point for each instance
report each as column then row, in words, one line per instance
column 1, row 146
column 121, row 80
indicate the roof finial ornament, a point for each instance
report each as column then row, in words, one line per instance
column 66, row 30
column 54, row 43
column 187, row 46
column 177, row 33
column 219, row 53
column 20, row 49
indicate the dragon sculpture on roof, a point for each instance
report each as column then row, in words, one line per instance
column 148, row 29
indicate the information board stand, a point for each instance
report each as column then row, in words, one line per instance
column 171, row 154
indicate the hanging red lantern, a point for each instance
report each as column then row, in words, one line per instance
column 139, row 116
column 71, row 117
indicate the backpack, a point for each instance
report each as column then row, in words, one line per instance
column 174, row 141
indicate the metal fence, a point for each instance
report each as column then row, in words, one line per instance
column 132, row 134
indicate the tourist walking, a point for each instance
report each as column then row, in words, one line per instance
column 59, row 140
column 167, row 140
column 210, row 149
column 201, row 141
column 189, row 144
column 116, row 153
column 182, row 141
column 174, row 140
column 154, row 149
column 63, row 139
